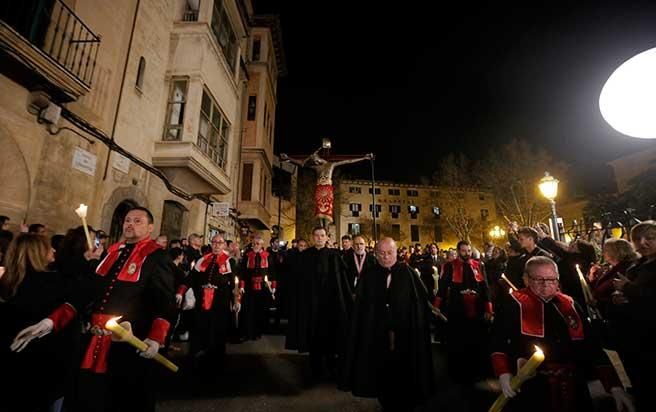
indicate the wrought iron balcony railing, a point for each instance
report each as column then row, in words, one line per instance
column 54, row 28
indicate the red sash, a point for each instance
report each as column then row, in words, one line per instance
column 131, row 271
column 222, row 260
column 264, row 259
column 531, row 309
column 95, row 358
column 208, row 298
column 458, row 269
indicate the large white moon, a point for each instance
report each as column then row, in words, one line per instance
column 628, row 99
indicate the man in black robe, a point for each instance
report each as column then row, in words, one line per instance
column 357, row 261
column 134, row 281
column 294, row 269
column 213, row 281
column 259, row 284
column 389, row 346
column 325, row 300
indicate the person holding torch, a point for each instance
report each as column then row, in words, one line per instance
column 136, row 282
column 213, row 281
column 555, row 377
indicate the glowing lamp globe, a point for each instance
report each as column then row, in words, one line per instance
column 548, row 186
column 628, row 99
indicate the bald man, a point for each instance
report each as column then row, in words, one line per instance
column 389, row 352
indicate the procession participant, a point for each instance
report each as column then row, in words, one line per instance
column 135, row 281
column 259, row 284
column 429, row 270
column 357, row 261
column 347, row 245
column 295, row 296
column 463, row 296
column 527, row 238
column 541, row 316
column 325, row 300
column 212, row 281
column 389, row 347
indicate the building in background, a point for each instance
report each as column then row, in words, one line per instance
column 414, row 213
column 266, row 63
column 164, row 83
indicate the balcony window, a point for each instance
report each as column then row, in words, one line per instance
column 413, row 193
column 224, row 33
column 213, row 131
column 355, row 209
column 355, row 189
column 176, row 109
column 56, row 30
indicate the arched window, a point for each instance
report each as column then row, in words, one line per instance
column 140, row 73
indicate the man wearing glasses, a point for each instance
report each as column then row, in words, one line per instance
column 541, row 316
column 212, row 280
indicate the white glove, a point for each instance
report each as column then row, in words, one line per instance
column 38, row 330
column 504, row 381
column 178, row 299
column 126, row 325
column 236, row 307
column 153, row 348
column 241, row 290
column 623, row 401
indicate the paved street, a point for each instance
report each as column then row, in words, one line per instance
column 261, row 376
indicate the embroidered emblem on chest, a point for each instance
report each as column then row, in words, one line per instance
column 132, row 268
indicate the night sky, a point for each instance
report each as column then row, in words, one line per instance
column 414, row 83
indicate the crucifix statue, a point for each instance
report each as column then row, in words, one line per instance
column 324, row 192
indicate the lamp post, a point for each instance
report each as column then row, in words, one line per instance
column 373, row 200
column 497, row 233
column 549, row 188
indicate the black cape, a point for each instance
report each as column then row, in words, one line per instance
column 370, row 368
column 322, row 303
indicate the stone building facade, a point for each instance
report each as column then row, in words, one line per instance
column 163, row 82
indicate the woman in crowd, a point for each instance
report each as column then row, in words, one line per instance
column 39, row 374
column 637, row 330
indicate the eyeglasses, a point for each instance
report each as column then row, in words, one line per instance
column 218, row 242
column 544, row 281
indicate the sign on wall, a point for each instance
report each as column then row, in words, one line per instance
column 84, row 161
column 121, row 163
column 220, row 209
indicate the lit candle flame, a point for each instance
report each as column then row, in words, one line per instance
column 510, row 290
column 538, row 350
column 82, row 210
column 113, row 321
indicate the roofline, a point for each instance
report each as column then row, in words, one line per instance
column 272, row 22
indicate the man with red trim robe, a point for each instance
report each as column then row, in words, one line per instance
column 463, row 296
column 212, row 280
column 259, row 284
column 135, row 281
column 540, row 315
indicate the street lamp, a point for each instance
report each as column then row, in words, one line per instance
column 549, row 188
column 497, row 233
column 628, row 99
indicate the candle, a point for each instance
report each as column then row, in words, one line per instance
column 513, row 287
column 127, row 336
column 587, row 294
column 526, row 372
column 82, row 213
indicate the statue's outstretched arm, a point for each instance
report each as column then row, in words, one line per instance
column 359, row 159
column 285, row 158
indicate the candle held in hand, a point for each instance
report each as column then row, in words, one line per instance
column 526, row 372
column 82, row 213
column 126, row 336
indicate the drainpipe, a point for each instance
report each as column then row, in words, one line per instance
column 120, row 93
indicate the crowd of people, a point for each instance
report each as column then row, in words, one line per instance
column 367, row 318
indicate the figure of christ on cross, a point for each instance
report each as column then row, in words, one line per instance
column 324, row 192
